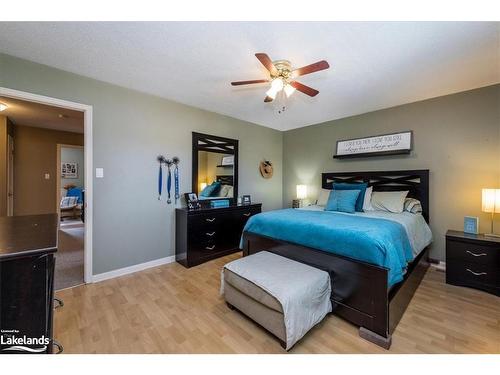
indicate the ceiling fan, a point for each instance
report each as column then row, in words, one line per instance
column 282, row 77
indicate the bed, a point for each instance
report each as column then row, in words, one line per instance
column 224, row 180
column 368, row 289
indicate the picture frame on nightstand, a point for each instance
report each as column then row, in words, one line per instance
column 471, row 224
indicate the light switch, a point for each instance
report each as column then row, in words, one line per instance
column 47, row 176
column 99, row 172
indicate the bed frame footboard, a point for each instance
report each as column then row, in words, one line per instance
column 360, row 292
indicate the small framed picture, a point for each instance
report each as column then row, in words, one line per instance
column 471, row 224
column 246, row 199
column 192, row 200
column 69, row 170
column 228, row 160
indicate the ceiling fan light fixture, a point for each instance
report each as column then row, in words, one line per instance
column 289, row 90
column 272, row 93
column 277, row 84
column 3, row 107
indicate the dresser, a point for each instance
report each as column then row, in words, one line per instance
column 27, row 248
column 473, row 260
column 209, row 233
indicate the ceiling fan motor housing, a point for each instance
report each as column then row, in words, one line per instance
column 284, row 68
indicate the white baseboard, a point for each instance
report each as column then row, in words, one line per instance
column 132, row 269
column 441, row 266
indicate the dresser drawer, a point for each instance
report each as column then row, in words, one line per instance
column 241, row 216
column 472, row 253
column 206, row 221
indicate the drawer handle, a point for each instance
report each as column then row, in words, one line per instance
column 210, row 220
column 210, row 234
column 476, row 255
column 247, row 214
column 477, row 273
column 210, row 247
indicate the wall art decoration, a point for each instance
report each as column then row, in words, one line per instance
column 69, row 170
column 385, row 144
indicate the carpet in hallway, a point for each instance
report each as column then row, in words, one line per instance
column 69, row 258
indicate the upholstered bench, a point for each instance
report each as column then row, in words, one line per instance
column 285, row 297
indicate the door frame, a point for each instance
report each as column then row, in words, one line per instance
column 88, row 147
column 10, row 175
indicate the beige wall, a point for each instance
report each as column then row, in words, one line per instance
column 456, row 137
column 36, row 154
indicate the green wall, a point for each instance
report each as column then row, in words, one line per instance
column 456, row 137
column 129, row 130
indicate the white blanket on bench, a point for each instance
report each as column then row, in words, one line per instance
column 303, row 291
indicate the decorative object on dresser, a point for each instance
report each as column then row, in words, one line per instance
column 27, row 248
column 209, row 233
column 246, row 200
column 473, row 260
column 491, row 204
column 379, row 145
column 266, row 169
column 192, row 201
column 471, row 224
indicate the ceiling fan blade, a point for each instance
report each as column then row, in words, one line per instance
column 238, row 83
column 268, row 99
column 316, row 67
column 267, row 62
column 303, row 88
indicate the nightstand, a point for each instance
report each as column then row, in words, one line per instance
column 473, row 260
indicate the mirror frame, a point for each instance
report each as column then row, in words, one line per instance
column 218, row 148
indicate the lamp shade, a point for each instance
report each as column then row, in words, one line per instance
column 203, row 185
column 491, row 200
column 301, row 191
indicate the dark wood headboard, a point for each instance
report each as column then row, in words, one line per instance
column 225, row 180
column 416, row 182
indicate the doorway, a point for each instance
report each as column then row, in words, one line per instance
column 86, row 213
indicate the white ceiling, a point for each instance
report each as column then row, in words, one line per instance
column 374, row 65
column 24, row 113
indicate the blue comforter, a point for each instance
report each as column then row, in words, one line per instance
column 372, row 240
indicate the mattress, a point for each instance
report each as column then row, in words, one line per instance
column 418, row 231
column 383, row 239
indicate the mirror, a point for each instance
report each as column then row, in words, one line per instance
column 215, row 167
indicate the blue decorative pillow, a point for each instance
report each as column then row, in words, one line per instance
column 342, row 200
column 359, row 186
column 212, row 189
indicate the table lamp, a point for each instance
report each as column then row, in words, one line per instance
column 301, row 194
column 491, row 204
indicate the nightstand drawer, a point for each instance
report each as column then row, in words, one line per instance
column 467, row 252
column 471, row 274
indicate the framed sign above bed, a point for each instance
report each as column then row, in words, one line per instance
column 385, row 144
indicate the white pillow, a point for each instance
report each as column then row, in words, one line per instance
column 392, row 201
column 367, row 206
column 413, row 205
column 323, row 197
column 224, row 190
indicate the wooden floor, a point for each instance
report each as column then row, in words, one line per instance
column 170, row 309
